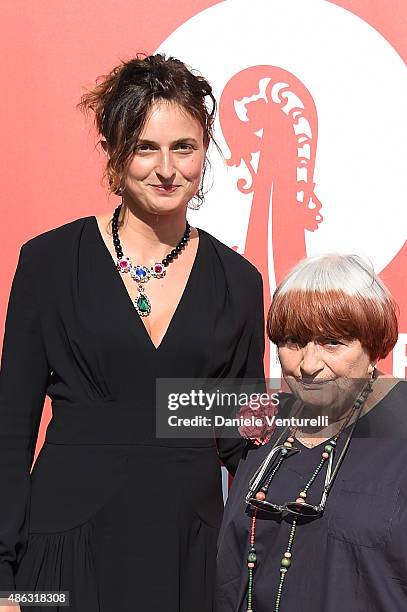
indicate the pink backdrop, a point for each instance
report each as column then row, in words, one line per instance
column 51, row 171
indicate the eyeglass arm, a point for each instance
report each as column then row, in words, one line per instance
column 258, row 476
column 330, row 476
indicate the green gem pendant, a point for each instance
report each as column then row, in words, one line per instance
column 143, row 305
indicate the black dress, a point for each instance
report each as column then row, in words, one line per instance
column 354, row 557
column 117, row 517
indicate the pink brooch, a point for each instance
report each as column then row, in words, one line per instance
column 257, row 422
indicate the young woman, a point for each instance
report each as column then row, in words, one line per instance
column 100, row 308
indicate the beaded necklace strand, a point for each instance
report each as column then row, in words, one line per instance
column 284, row 450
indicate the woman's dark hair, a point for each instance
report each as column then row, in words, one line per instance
column 122, row 99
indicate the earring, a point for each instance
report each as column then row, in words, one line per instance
column 372, row 370
column 194, row 205
column 197, row 200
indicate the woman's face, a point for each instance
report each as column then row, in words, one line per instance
column 326, row 371
column 165, row 172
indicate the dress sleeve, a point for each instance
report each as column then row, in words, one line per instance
column 23, row 381
column 231, row 450
column 254, row 364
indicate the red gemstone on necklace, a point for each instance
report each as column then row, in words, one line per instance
column 123, row 264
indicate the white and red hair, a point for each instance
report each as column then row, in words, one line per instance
column 334, row 296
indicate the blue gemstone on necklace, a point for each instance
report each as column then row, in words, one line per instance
column 141, row 274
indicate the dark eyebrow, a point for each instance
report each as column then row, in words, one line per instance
column 190, row 140
column 143, row 141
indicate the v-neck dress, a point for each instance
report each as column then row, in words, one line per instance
column 119, row 518
column 351, row 559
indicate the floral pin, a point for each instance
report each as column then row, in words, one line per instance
column 258, row 426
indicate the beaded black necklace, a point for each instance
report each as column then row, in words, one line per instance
column 259, row 486
column 142, row 274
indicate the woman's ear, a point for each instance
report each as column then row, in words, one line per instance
column 104, row 147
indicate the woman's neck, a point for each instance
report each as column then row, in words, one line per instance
column 149, row 236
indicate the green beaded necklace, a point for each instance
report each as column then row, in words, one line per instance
column 259, row 487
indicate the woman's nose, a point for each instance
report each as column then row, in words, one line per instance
column 311, row 363
column 165, row 168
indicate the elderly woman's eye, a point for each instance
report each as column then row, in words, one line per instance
column 330, row 342
column 291, row 341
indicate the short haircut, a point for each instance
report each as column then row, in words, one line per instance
column 334, row 296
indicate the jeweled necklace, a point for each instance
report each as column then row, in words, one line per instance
column 260, row 483
column 142, row 274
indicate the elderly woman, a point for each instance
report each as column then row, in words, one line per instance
column 316, row 519
column 101, row 308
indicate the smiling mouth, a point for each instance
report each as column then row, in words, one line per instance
column 166, row 188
